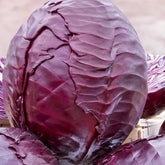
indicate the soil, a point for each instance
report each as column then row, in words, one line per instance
column 147, row 17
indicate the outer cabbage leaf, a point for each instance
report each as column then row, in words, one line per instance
column 18, row 147
column 156, row 85
column 141, row 152
column 76, row 77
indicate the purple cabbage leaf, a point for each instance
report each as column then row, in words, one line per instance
column 156, row 85
column 141, row 152
column 2, row 110
column 18, row 147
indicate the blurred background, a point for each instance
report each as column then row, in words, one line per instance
column 147, row 17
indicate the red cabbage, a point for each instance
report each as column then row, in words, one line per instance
column 141, row 152
column 76, row 77
column 18, row 147
column 156, row 85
